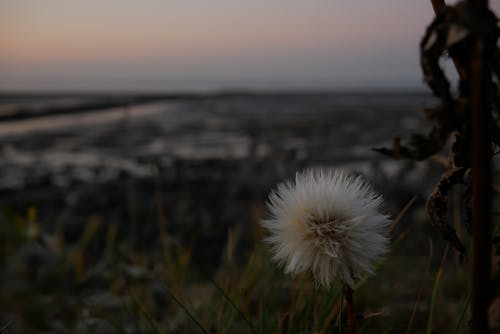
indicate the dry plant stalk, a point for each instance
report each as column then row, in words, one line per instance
column 468, row 33
column 454, row 31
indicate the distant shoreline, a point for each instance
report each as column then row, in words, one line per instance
column 16, row 106
column 212, row 93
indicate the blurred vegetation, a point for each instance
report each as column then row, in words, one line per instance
column 100, row 283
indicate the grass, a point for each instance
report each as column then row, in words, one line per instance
column 188, row 313
column 435, row 291
column 100, row 283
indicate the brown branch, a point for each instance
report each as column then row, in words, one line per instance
column 481, row 174
column 438, row 6
column 481, row 194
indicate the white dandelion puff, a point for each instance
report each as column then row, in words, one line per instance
column 327, row 222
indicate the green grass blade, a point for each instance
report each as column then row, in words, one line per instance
column 114, row 324
column 330, row 307
column 435, row 291
column 401, row 214
column 421, row 288
column 145, row 314
column 462, row 313
column 186, row 310
column 230, row 301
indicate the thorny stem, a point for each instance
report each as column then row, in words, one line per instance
column 348, row 292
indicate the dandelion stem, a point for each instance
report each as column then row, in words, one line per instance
column 348, row 293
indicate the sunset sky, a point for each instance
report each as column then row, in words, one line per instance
column 188, row 44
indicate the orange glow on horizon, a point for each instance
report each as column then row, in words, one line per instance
column 47, row 37
column 237, row 39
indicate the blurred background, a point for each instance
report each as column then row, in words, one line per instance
column 139, row 141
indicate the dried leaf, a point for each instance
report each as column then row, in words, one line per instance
column 437, row 206
column 456, row 34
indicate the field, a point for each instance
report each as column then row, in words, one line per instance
column 144, row 217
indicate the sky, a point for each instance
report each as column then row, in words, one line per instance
column 210, row 45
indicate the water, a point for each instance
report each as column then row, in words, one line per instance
column 311, row 128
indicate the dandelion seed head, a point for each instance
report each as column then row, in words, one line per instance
column 328, row 222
